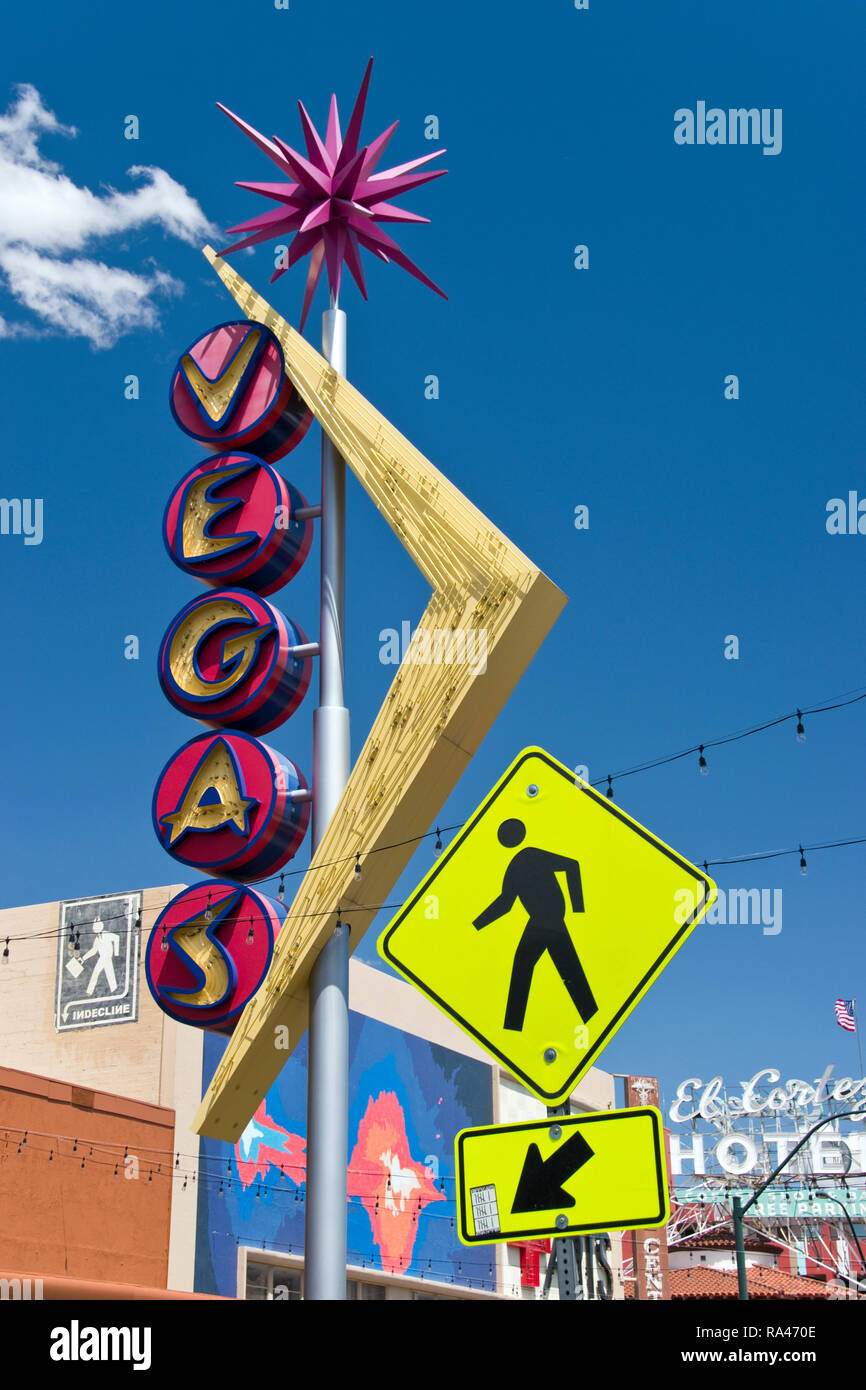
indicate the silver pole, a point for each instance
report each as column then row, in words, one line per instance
column 568, row 1273
column 328, row 1067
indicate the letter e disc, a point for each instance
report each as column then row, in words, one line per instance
column 231, row 520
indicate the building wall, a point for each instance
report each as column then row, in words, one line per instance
column 415, row 1080
column 155, row 1062
column 393, row 1001
column 128, row 1059
column 720, row 1259
column 85, row 1182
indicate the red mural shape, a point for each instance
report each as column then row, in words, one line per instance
column 393, row 1188
column 264, row 1144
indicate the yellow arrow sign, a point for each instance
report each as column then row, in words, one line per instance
column 562, row 1176
column 545, row 922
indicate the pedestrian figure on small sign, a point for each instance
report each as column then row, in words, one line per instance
column 106, row 945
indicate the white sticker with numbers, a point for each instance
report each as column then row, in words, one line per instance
column 485, row 1212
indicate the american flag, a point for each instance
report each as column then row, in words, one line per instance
column 845, row 1015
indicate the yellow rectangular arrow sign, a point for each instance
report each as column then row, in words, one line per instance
column 566, row 1175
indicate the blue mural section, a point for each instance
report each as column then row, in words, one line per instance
column 408, row 1099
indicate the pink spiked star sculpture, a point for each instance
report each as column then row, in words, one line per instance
column 336, row 199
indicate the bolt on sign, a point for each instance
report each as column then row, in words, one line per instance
column 569, row 1175
column 555, row 912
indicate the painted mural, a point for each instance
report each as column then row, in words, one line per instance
column 408, row 1099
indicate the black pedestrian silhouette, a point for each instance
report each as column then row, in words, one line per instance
column 531, row 877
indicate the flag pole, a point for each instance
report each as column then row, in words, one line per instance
column 857, row 1033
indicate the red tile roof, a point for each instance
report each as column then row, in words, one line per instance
column 763, row 1282
column 724, row 1240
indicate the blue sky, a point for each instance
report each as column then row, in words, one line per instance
column 558, row 387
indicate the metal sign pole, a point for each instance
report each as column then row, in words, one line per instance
column 328, row 1039
column 567, row 1276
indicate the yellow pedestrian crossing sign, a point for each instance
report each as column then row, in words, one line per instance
column 545, row 921
column 563, row 1176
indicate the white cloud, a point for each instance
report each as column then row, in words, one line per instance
column 82, row 298
column 18, row 330
column 45, row 216
column 20, row 126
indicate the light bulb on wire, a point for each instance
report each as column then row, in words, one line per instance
column 702, row 763
column 803, row 869
column 801, row 732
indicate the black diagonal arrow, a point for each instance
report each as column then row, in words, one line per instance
column 540, row 1186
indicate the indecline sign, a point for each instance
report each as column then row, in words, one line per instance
column 762, row 1097
column 97, row 962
